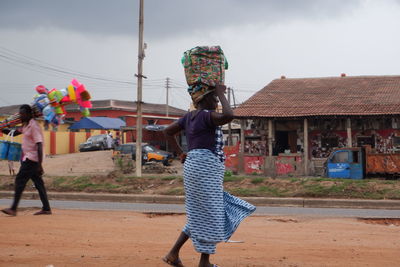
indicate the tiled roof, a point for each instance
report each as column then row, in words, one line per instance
column 9, row 110
column 332, row 96
column 111, row 104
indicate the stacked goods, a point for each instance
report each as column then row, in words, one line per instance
column 205, row 65
column 10, row 121
column 51, row 104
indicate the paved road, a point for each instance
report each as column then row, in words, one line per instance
column 179, row 208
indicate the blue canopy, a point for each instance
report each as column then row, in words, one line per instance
column 101, row 123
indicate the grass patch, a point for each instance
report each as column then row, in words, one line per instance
column 271, row 191
column 228, row 173
column 233, row 178
column 178, row 191
column 257, row 180
column 253, row 186
column 120, row 179
column 244, row 192
column 169, row 178
column 58, row 181
column 316, row 190
column 294, row 180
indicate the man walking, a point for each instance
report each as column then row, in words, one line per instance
column 31, row 163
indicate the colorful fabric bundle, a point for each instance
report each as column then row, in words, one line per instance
column 205, row 64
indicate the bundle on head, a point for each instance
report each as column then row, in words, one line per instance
column 204, row 68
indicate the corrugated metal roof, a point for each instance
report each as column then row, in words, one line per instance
column 131, row 106
column 331, row 96
column 111, row 104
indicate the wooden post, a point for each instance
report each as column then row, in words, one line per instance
column 241, row 149
column 270, row 137
column 306, row 152
column 229, row 124
column 349, row 139
column 71, row 142
column 53, row 143
column 167, row 99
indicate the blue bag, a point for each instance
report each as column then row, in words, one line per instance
column 10, row 150
column 4, row 146
column 14, row 151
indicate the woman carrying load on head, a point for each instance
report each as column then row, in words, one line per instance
column 212, row 214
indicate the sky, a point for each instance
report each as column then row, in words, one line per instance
column 50, row 42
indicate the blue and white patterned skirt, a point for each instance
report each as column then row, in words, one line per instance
column 212, row 214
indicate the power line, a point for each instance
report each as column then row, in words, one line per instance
column 10, row 56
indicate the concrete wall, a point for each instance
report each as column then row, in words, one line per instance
column 61, row 140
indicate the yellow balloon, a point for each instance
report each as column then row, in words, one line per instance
column 71, row 93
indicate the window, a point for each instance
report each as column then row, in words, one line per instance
column 365, row 140
column 396, row 141
column 330, row 142
column 149, row 149
column 340, row 157
column 127, row 149
column 356, row 156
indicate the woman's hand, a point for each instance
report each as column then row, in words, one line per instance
column 220, row 89
column 227, row 113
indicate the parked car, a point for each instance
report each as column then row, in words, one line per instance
column 95, row 142
column 149, row 153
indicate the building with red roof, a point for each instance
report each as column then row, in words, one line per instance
column 291, row 124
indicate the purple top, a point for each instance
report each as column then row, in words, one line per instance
column 200, row 130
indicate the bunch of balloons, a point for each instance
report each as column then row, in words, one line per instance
column 51, row 104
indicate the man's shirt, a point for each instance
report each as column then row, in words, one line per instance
column 32, row 134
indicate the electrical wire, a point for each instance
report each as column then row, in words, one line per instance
column 7, row 54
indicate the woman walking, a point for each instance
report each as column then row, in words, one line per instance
column 212, row 214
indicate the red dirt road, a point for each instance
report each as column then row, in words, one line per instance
column 123, row 238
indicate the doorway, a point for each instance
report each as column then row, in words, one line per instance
column 285, row 140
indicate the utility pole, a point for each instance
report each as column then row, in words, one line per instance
column 229, row 124
column 139, row 95
column 167, row 106
column 234, row 99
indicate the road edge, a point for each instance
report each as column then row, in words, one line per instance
column 257, row 201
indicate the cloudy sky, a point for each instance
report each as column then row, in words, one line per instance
column 52, row 41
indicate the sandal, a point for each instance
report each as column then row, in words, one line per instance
column 175, row 263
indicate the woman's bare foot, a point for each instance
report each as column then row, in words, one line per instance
column 173, row 260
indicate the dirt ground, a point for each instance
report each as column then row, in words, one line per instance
column 95, row 162
column 84, row 163
column 119, row 238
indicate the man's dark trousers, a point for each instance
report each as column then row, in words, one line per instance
column 29, row 170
